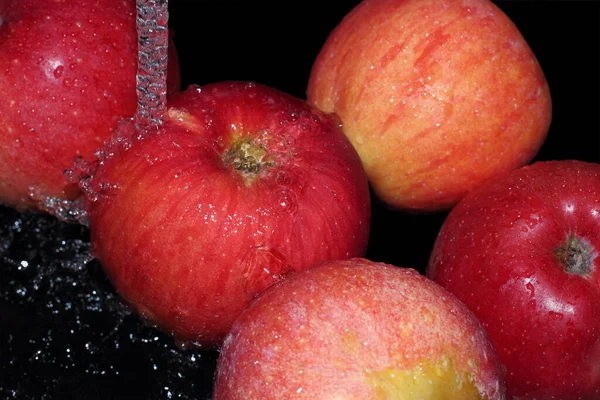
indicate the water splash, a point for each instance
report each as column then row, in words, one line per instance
column 153, row 42
column 66, row 332
column 151, row 86
column 70, row 211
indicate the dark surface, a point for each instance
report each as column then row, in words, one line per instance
column 64, row 333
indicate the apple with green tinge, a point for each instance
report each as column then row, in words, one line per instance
column 437, row 96
column 357, row 329
column 241, row 186
column 522, row 253
column 67, row 75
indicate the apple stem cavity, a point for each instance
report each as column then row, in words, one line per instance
column 247, row 157
column 576, row 256
column 153, row 45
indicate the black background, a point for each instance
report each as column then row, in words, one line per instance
column 64, row 333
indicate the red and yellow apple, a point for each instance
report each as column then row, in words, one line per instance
column 357, row 329
column 437, row 96
column 242, row 185
column 67, row 75
column 522, row 253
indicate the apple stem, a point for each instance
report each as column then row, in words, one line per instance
column 576, row 256
column 151, row 81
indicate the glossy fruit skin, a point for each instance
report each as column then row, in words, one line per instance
column 189, row 241
column 67, row 75
column 440, row 97
column 496, row 253
column 356, row 329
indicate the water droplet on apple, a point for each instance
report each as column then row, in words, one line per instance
column 58, row 71
column 263, row 266
column 220, row 142
column 283, row 178
column 107, row 189
column 287, row 201
column 555, row 315
column 530, row 288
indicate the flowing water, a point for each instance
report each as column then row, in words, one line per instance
column 153, row 36
column 64, row 331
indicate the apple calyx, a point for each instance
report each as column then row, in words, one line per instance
column 247, row 157
column 576, row 255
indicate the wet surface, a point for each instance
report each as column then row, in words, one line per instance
column 65, row 334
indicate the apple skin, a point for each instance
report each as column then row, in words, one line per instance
column 497, row 252
column 437, row 96
column 357, row 329
column 189, row 240
column 67, row 75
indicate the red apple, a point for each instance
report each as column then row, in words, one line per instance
column 242, row 185
column 357, row 329
column 67, row 75
column 437, row 96
column 521, row 253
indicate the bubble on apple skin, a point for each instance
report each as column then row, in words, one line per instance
column 306, row 121
column 280, row 148
column 67, row 334
column 303, row 123
column 58, row 71
column 287, row 202
column 284, row 178
column 220, row 142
